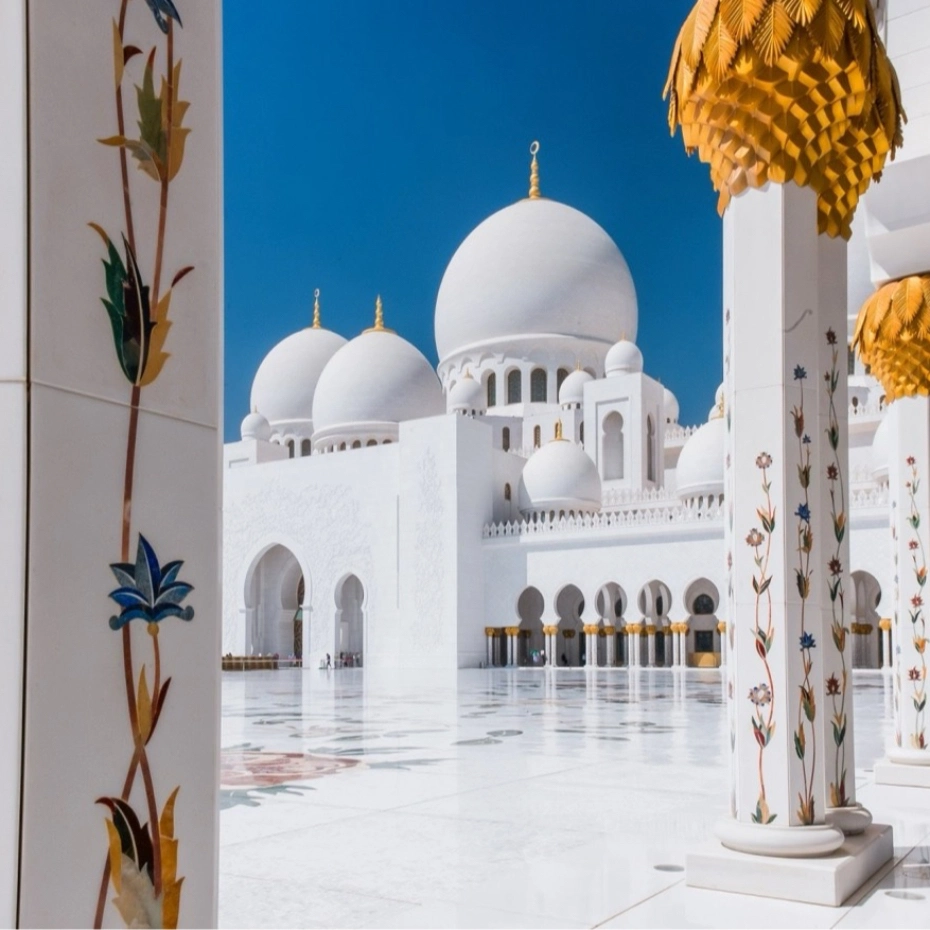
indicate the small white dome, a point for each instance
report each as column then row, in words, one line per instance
column 535, row 268
column 572, row 389
column 672, row 410
column 255, row 426
column 623, row 358
column 467, row 395
column 880, row 452
column 560, row 477
column 377, row 378
column 700, row 465
column 286, row 380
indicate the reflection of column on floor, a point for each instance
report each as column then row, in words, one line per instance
column 683, row 644
column 651, row 645
column 676, row 644
column 722, row 630
column 610, row 634
column 590, row 634
column 490, row 633
column 885, row 626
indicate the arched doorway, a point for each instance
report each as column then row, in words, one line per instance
column 867, row 643
column 349, row 639
column 570, row 645
column 611, row 604
column 531, row 642
column 703, row 642
column 275, row 593
column 655, row 602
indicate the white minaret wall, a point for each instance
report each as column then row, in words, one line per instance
column 65, row 413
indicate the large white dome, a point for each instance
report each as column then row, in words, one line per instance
column 560, row 477
column 536, row 268
column 700, row 465
column 286, row 380
column 377, row 378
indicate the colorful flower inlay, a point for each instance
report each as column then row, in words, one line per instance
column 837, row 687
column 917, row 675
column 141, row 864
column 805, row 736
column 762, row 695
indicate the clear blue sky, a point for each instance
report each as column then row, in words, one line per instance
column 365, row 140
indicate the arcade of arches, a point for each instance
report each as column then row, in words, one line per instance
column 611, row 631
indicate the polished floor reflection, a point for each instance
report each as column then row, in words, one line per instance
column 508, row 798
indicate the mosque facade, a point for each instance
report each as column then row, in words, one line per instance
column 533, row 501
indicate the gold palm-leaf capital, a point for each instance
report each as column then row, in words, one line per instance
column 892, row 336
column 787, row 90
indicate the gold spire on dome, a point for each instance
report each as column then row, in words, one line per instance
column 787, row 90
column 892, row 336
column 316, row 309
column 534, row 173
column 379, row 326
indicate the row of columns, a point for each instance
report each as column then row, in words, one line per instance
column 676, row 634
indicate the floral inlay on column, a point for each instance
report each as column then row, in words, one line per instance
column 836, row 688
column 763, row 695
column 143, row 857
column 917, row 676
column 804, row 746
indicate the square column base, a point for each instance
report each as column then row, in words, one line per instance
column 828, row 880
column 903, row 776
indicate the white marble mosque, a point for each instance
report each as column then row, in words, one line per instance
column 535, row 502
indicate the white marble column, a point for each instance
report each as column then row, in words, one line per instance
column 683, row 645
column 550, row 632
column 676, row 645
column 722, row 630
column 610, row 646
column 489, row 632
column 784, row 293
column 908, row 758
column 651, row 646
column 590, row 634
column 633, row 655
column 110, row 407
column 885, row 627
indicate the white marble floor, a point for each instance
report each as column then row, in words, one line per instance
column 525, row 798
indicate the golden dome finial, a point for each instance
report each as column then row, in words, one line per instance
column 534, row 173
column 778, row 91
column 577, row 366
column 379, row 314
column 316, row 309
column 558, row 431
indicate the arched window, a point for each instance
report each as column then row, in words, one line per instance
column 650, row 450
column 539, row 392
column 612, row 449
column 505, row 438
column 514, row 387
column 492, row 390
column 537, row 437
column 581, row 433
column 703, row 605
column 372, row 442
column 342, row 447
column 305, row 447
column 357, row 444
column 290, row 448
column 507, row 492
column 561, row 375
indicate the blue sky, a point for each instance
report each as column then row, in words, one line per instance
column 364, row 139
